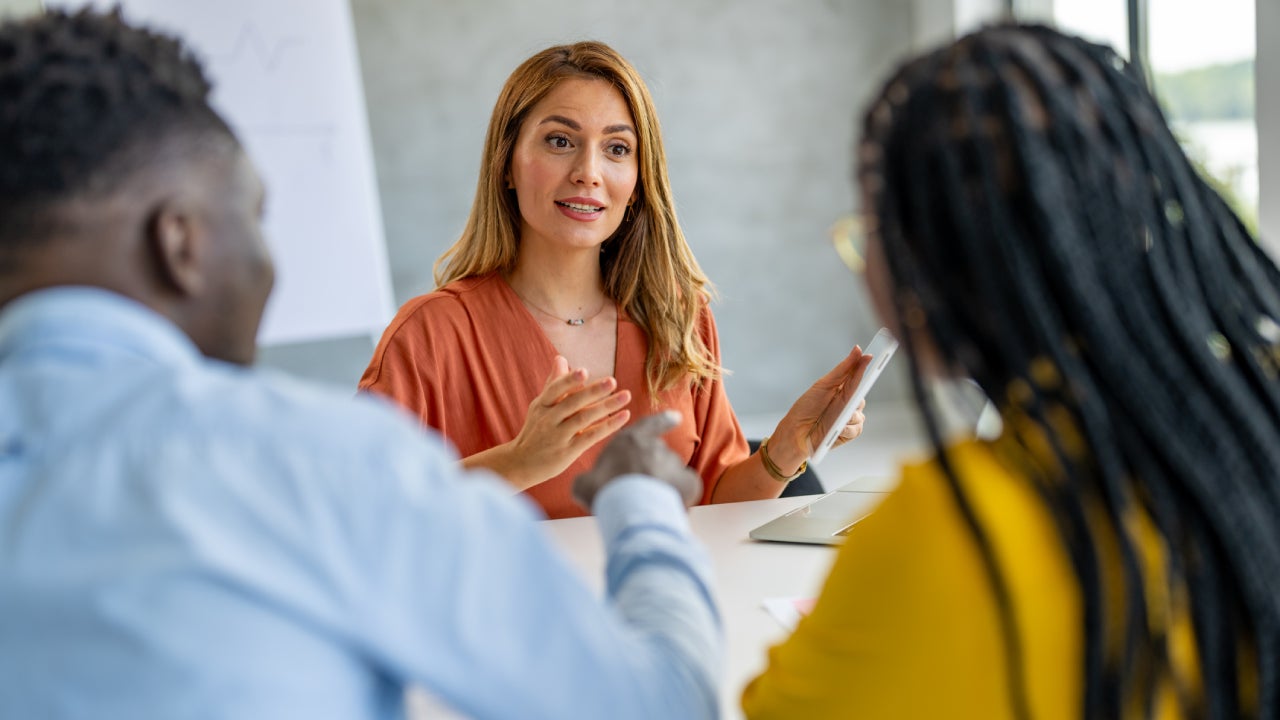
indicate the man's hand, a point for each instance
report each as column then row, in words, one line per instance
column 640, row 449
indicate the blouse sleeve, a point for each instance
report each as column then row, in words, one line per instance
column 877, row 643
column 404, row 367
column 907, row 624
column 721, row 442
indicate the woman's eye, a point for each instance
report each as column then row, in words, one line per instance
column 558, row 142
column 619, row 150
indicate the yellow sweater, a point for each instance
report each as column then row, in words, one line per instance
column 907, row 624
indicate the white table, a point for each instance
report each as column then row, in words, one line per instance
column 746, row 572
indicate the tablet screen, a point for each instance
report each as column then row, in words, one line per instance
column 839, row 410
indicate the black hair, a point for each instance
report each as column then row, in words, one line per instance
column 83, row 97
column 1045, row 231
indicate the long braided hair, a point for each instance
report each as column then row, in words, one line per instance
column 1047, row 234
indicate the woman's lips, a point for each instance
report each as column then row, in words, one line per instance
column 584, row 209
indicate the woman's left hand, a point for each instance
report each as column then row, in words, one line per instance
column 799, row 432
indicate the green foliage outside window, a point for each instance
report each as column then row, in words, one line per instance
column 1216, row 92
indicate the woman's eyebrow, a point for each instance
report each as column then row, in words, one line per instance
column 562, row 120
column 575, row 125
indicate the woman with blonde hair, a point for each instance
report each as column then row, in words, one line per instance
column 572, row 302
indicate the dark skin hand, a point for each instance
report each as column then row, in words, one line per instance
column 640, row 449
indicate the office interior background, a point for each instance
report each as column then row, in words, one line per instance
column 759, row 101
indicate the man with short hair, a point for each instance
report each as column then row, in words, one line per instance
column 182, row 536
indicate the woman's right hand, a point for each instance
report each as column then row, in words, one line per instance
column 569, row 416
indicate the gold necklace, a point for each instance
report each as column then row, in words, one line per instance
column 575, row 322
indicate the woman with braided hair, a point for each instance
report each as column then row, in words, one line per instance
column 1116, row 551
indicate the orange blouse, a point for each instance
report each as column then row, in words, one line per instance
column 468, row 359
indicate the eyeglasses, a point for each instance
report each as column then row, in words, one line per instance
column 849, row 237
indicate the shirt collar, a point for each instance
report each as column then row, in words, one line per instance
column 88, row 316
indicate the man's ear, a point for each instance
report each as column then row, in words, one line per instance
column 176, row 244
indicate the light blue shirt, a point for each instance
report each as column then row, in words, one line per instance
column 182, row 538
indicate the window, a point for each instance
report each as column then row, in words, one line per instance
column 1102, row 21
column 1200, row 58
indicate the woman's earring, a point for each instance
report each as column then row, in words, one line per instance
column 628, row 215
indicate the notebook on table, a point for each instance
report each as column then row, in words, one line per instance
column 828, row 519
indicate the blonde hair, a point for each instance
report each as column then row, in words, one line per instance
column 648, row 267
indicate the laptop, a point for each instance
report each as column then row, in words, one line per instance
column 828, row 519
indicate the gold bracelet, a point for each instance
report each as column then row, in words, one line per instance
column 773, row 469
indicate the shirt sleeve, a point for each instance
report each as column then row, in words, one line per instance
column 403, row 367
column 721, row 442
column 907, row 624
column 455, row 586
column 903, row 627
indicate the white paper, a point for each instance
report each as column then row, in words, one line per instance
column 788, row 610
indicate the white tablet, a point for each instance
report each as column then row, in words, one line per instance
column 837, row 415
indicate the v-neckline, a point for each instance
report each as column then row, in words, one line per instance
column 548, row 346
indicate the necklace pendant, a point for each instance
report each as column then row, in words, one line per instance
column 576, row 321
